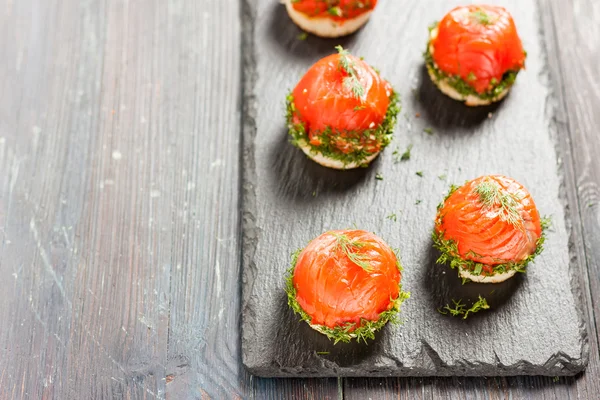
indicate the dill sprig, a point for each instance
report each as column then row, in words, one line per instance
column 351, row 82
column 349, row 248
column 350, row 331
column 460, row 309
column 491, row 195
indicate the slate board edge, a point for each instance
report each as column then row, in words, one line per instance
column 558, row 365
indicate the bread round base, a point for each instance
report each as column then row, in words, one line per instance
column 319, row 158
column 496, row 278
column 442, row 84
column 326, row 27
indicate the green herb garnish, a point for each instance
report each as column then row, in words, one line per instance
column 350, row 247
column 350, row 331
column 379, row 176
column 351, row 82
column 402, row 156
column 463, row 87
column 449, row 250
column 303, row 36
column 491, row 195
column 419, row 173
column 460, row 309
column 392, row 217
column 428, row 131
column 328, row 147
column 481, row 17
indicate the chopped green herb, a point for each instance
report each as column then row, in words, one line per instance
column 379, row 176
column 303, row 36
column 322, row 353
column 314, row 193
column 392, row 217
column 418, row 202
column 329, row 146
column 402, row 156
column 471, row 76
column 335, row 11
column 463, row 86
column 428, row 131
column 555, row 379
column 442, row 177
column 419, row 173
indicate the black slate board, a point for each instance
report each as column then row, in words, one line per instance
column 535, row 325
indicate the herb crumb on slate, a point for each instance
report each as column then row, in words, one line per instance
column 419, row 173
column 392, row 217
column 428, row 131
column 418, row 202
column 460, row 309
column 442, row 177
column 379, row 176
column 303, row 36
column 402, row 156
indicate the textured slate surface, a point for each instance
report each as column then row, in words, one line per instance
column 535, row 326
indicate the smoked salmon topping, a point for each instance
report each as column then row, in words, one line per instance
column 479, row 45
column 346, row 284
column 342, row 108
column 489, row 225
column 337, row 10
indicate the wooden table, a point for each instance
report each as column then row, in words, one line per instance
column 119, row 203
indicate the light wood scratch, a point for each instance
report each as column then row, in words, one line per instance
column 46, row 261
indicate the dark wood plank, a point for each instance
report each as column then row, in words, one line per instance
column 204, row 119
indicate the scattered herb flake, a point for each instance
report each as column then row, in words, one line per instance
column 418, row 202
column 471, row 76
column 322, row 353
column 442, row 177
column 392, row 217
column 428, row 131
column 402, row 156
column 555, row 379
column 419, row 173
column 379, row 176
column 303, row 36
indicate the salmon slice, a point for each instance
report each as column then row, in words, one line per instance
column 478, row 43
column 337, row 10
column 344, row 279
column 340, row 105
column 492, row 220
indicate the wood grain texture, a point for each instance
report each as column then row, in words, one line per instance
column 289, row 200
column 103, row 106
